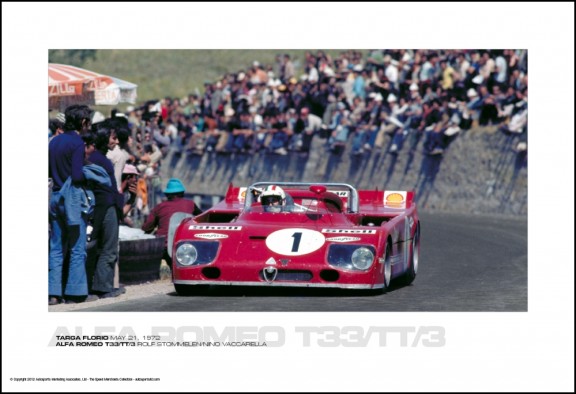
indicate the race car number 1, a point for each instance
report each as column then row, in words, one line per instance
column 295, row 241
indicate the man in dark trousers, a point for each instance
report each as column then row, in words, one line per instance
column 109, row 204
column 67, row 220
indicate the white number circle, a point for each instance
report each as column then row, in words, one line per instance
column 295, row 241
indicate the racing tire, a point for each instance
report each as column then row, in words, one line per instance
column 410, row 274
column 387, row 274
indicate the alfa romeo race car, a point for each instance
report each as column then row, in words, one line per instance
column 325, row 235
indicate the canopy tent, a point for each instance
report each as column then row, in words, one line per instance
column 69, row 85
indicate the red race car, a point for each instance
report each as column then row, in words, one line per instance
column 298, row 234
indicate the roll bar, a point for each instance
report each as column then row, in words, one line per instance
column 353, row 199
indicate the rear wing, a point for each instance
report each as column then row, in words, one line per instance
column 387, row 198
column 352, row 198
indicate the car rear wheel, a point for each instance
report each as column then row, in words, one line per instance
column 410, row 275
column 387, row 271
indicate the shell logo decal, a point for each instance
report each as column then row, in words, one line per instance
column 395, row 199
column 295, row 241
column 242, row 194
column 347, row 231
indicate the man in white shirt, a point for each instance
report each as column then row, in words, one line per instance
column 119, row 156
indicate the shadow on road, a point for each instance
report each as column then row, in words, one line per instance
column 251, row 291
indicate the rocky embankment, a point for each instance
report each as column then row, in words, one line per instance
column 478, row 173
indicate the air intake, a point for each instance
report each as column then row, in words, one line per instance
column 329, row 275
column 211, row 272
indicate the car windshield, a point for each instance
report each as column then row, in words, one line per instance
column 296, row 205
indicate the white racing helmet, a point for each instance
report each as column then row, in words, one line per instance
column 270, row 195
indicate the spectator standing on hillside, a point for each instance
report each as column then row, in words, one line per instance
column 159, row 218
column 305, row 127
column 359, row 84
column 280, row 135
column 448, row 74
column 289, row 69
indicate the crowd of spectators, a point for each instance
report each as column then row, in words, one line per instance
column 359, row 101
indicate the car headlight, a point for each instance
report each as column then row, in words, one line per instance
column 186, row 254
column 196, row 252
column 351, row 257
column 362, row 258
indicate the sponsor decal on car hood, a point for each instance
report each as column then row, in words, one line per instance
column 343, row 239
column 211, row 236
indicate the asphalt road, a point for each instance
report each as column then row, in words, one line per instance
column 467, row 264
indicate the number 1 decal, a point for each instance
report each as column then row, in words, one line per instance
column 297, row 237
column 295, row 241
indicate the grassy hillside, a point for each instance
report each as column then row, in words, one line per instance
column 176, row 73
